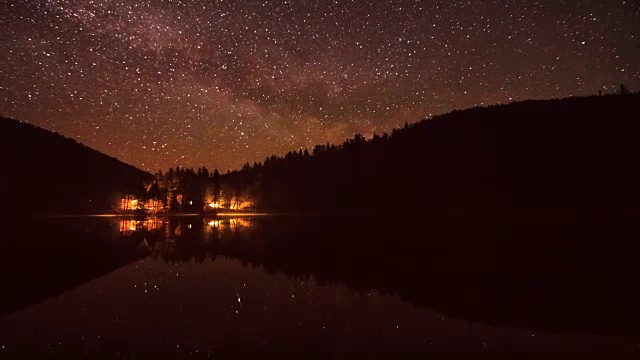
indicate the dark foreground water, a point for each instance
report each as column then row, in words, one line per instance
column 316, row 286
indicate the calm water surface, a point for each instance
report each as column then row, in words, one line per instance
column 331, row 286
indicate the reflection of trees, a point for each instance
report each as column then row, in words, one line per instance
column 275, row 246
column 469, row 270
column 131, row 224
column 177, row 239
column 193, row 239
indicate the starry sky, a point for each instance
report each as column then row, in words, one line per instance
column 162, row 83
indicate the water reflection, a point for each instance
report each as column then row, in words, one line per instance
column 471, row 272
column 150, row 224
column 39, row 260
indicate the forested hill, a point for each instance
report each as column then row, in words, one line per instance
column 46, row 173
column 575, row 155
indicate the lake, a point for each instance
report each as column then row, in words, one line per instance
column 328, row 286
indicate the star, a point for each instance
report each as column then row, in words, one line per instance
column 192, row 83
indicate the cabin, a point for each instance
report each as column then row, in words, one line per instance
column 130, row 203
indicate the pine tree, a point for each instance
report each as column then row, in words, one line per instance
column 623, row 90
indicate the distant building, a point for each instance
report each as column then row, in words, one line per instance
column 131, row 203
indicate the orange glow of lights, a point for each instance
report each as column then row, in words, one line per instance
column 233, row 223
column 235, row 205
column 128, row 225
column 129, row 203
column 239, row 222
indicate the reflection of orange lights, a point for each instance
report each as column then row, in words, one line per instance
column 127, row 225
column 229, row 223
column 154, row 224
column 239, row 222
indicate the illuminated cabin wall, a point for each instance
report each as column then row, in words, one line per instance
column 154, row 205
column 129, row 203
column 240, row 205
column 233, row 204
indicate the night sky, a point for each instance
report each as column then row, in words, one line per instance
column 161, row 83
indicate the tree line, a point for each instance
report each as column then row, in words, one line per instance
column 573, row 153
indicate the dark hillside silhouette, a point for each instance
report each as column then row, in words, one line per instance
column 564, row 158
column 43, row 259
column 46, row 173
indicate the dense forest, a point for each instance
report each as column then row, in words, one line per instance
column 46, row 173
column 572, row 156
column 569, row 157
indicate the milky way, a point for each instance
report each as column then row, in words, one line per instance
column 219, row 83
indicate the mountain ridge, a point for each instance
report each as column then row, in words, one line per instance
column 530, row 154
column 48, row 173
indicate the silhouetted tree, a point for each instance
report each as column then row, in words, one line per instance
column 623, row 90
column 216, row 185
column 174, row 205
